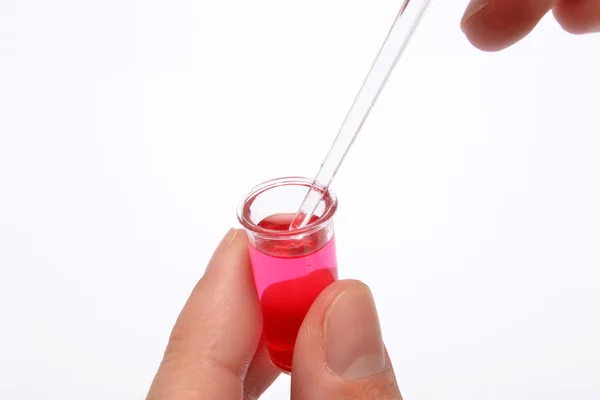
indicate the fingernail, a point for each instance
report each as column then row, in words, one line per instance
column 354, row 347
column 225, row 242
column 474, row 8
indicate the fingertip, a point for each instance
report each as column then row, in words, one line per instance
column 566, row 20
column 482, row 43
column 578, row 17
column 318, row 311
column 479, row 31
column 222, row 246
column 495, row 25
column 308, row 344
column 339, row 353
column 353, row 340
column 231, row 252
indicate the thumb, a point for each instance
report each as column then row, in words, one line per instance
column 339, row 353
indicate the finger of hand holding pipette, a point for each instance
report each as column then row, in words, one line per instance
column 578, row 16
column 493, row 25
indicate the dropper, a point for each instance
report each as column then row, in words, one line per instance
column 410, row 15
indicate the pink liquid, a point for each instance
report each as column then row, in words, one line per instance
column 289, row 275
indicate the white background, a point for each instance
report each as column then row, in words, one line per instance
column 129, row 131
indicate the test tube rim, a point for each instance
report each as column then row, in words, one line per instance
column 329, row 197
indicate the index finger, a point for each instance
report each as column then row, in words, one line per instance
column 493, row 25
column 212, row 351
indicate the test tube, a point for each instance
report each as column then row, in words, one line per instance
column 290, row 267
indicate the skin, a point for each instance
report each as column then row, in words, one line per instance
column 494, row 25
column 215, row 351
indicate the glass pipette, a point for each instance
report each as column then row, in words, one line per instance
column 410, row 15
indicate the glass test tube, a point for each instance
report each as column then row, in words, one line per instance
column 290, row 267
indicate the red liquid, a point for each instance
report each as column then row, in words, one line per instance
column 289, row 275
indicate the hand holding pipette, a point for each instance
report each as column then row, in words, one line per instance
column 211, row 333
column 488, row 25
column 496, row 25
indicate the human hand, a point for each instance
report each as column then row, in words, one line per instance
column 493, row 25
column 215, row 351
